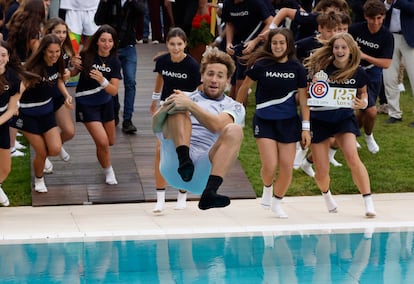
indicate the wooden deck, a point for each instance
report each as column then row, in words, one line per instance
column 81, row 180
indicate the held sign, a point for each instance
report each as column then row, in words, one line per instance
column 324, row 95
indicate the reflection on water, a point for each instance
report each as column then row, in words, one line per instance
column 326, row 258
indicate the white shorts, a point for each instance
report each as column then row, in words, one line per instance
column 81, row 22
column 169, row 166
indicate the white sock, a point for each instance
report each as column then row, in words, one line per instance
column 15, row 152
column 369, row 207
column 48, row 169
column 330, row 202
column 299, row 156
column 277, row 208
column 40, row 185
column 159, row 207
column 19, row 145
column 64, row 155
column 110, row 176
column 181, row 200
column 306, row 166
column 371, row 143
column 267, row 196
column 4, row 200
column 332, row 160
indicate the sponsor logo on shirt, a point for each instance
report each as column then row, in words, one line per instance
column 239, row 14
column 367, row 43
column 102, row 68
column 284, row 75
column 52, row 77
column 174, row 74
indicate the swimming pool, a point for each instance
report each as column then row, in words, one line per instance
column 335, row 257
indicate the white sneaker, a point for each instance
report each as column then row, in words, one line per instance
column 332, row 160
column 330, row 202
column 159, row 207
column 401, row 87
column 48, row 169
column 277, row 208
column 16, row 153
column 369, row 207
column 110, row 176
column 18, row 134
column 358, row 145
column 18, row 145
column 4, row 200
column 181, row 201
column 371, row 143
column 64, row 155
column 40, row 185
column 300, row 155
column 267, row 196
column 307, row 168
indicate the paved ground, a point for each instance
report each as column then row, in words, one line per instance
column 136, row 221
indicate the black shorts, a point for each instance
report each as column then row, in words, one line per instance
column 373, row 90
column 34, row 124
column 4, row 136
column 322, row 130
column 282, row 130
column 58, row 102
column 88, row 113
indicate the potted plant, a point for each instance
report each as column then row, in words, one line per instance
column 200, row 36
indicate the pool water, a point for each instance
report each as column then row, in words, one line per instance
column 384, row 257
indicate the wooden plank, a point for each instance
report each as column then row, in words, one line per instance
column 81, row 180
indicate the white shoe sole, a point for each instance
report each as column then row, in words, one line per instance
column 158, row 209
column 180, row 207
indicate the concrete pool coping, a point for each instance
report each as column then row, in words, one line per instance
column 395, row 211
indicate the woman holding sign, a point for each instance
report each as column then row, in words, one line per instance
column 336, row 65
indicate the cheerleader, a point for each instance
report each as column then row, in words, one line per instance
column 277, row 127
column 337, row 63
column 100, row 72
column 36, row 117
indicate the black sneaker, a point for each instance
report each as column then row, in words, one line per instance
column 393, row 120
column 128, row 127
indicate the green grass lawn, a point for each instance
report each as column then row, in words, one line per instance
column 17, row 185
column 390, row 170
